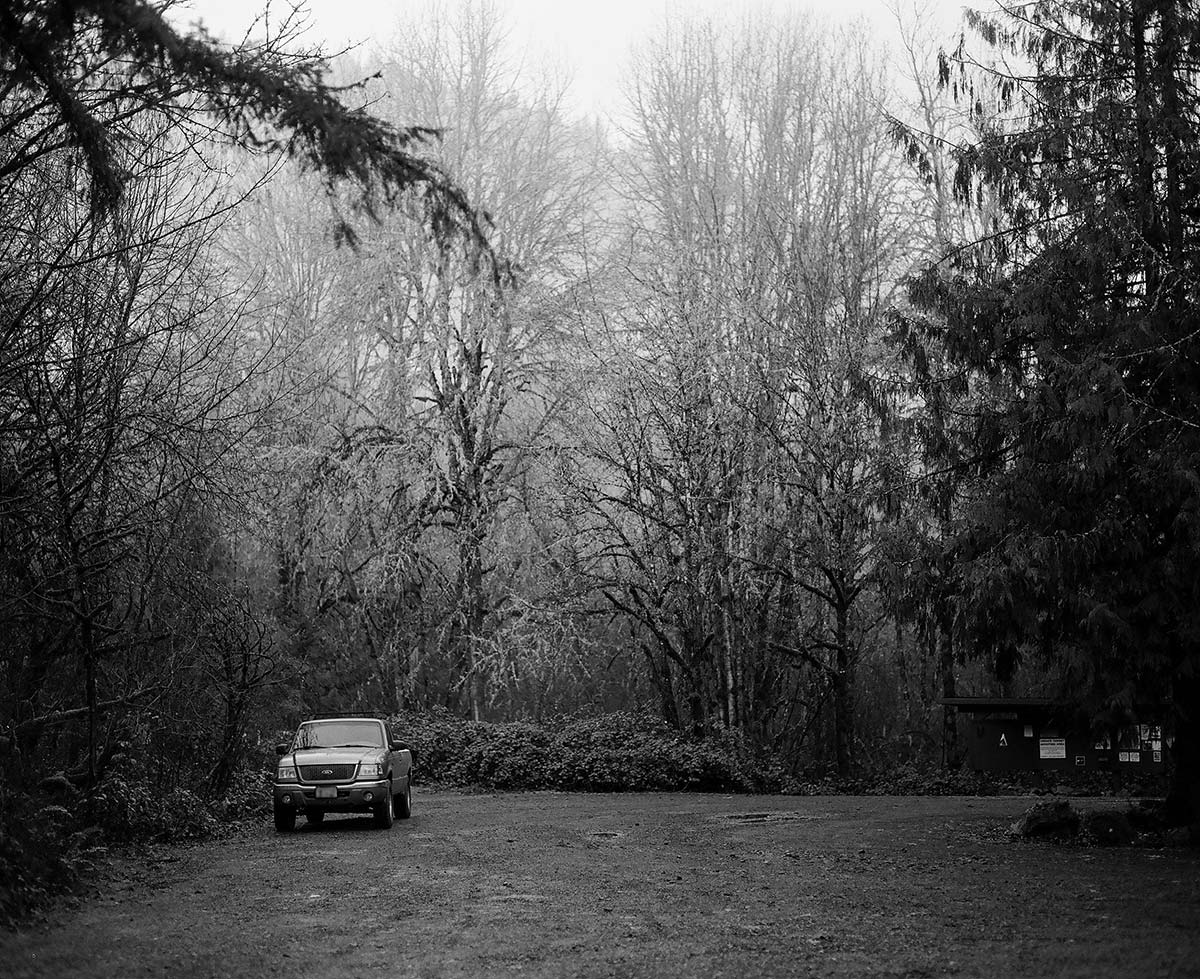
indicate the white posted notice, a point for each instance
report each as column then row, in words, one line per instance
column 1052, row 747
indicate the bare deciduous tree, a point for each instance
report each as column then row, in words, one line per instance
column 742, row 464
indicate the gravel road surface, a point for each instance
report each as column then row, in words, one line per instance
column 548, row 884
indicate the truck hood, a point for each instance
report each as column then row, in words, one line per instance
column 332, row 756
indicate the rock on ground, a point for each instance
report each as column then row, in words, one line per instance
column 1056, row 818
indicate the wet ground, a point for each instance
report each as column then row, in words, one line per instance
column 548, row 884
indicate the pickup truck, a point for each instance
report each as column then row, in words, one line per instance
column 342, row 764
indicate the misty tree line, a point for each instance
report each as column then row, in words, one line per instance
column 661, row 441
column 654, row 467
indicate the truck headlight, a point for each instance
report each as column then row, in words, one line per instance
column 285, row 773
column 370, row 769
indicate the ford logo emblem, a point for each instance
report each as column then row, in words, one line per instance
column 327, row 771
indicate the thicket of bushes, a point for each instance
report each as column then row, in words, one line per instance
column 612, row 752
column 42, row 851
column 640, row 753
column 50, row 839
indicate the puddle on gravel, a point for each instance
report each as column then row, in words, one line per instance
column 769, row 817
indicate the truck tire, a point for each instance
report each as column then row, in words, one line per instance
column 404, row 801
column 384, row 813
column 314, row 816
column 285, row 818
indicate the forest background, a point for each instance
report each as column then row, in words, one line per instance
column 834, row 381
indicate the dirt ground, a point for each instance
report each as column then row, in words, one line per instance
column 548, row 884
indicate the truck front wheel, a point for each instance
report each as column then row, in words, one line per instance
column 404, row 801
column 285, row 818
column 383, row 812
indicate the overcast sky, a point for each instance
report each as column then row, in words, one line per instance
column 590, row 40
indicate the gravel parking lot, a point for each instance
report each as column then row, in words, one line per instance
column 548, row 884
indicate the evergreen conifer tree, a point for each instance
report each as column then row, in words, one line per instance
column 1078, row 534
column 81, row 67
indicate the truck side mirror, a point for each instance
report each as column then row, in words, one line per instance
column 399, row 746
column 281, row 748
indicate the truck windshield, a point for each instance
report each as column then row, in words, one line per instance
column 339, row 734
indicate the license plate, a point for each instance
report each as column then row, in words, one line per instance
column 326, row 791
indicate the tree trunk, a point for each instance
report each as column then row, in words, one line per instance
column 660, row 679
column 950, row 757
column 699, row 715
column 1147, row 153
column 472, row 600
column 87, row 637
column 902, row 678
column 1183, row 797
column 231, row 747
column 843, row 695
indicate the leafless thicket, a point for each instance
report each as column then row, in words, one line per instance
column 646, row 453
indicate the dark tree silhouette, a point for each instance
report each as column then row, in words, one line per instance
column 63, row 55
column 1079, row 535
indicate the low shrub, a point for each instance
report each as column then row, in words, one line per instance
column 248, row 795
column 44, row 850
column 128, row 808
column 607, row 753
column 51, row 834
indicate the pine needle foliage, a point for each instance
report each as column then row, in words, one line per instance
column 67, row 56
column 1077, row 540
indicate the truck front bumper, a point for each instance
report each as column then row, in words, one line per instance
column 351, row 796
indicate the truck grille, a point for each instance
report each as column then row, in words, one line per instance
column 327, row 773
